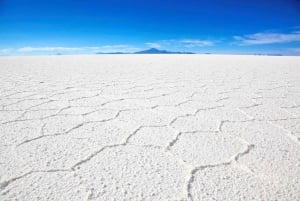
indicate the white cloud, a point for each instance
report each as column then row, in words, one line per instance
column 294, row 50
column 5, row 51
column 103, row 49
column 115, row 48
column 268, row 38
column 196, row 43
column 153, row 45
column 47, row 49
column 180, row 43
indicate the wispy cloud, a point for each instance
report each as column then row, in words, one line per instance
column 103, row 49
column 180, row 43
column 153, row 45
column 47, row 49
column 294, row 50
column 115, row 48
column 196, row 43
column 5, row 51
column 268, row 38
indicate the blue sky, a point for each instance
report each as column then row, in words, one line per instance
column 29, row 27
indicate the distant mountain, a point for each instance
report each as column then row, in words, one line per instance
column 266, row 54
column 156, row 51
column 152, row 51
column 112, row 53
column 149, row 51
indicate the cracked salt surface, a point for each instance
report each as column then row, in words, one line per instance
column 150, row 127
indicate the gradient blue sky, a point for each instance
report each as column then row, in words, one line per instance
column 87, row 26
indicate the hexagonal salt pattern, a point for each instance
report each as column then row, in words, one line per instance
column 149, row 127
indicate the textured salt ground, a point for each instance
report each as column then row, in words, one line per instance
column 150, row 127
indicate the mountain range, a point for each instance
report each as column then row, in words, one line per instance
column 150, row 51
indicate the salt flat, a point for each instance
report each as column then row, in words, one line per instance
column 149, row 127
